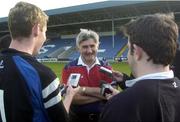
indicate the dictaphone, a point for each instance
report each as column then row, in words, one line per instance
column 73, row 79
column 105, row 88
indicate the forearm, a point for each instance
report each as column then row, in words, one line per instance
column 88, row 95
column 70, row 93
column 80, row 99
column 93, row 92
column 67, row 102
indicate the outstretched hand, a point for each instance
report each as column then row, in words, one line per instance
column 72, row 91
column 117, row 76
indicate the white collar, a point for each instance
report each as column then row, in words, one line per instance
column 159, row 75
column 80, row 62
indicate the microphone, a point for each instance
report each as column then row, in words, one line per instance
column 114, row 83
column 105, row 88
column 109, row 73
column 106, row 71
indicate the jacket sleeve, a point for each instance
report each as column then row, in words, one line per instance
column 51, row 96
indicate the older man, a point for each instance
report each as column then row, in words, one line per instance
column 87, row 104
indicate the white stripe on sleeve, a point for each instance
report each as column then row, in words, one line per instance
column 53, row 101
column 50, row 88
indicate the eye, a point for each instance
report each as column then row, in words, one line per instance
column 85, row 46
column 92, row 46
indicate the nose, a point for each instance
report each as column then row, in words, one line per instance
column 89, row 49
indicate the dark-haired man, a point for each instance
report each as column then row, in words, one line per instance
column 154, row 95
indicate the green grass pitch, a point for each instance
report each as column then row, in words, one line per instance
column 58, row 66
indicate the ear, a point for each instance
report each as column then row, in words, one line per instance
column 138, row 52
column 97, row 46
column 35, row 30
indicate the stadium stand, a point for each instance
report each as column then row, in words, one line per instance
column 55, row 47
column 124, row 54
column 107, row 16
column 110, row 50
column 64, row 49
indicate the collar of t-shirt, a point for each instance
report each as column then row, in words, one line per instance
column 160, row 75
column 80, row 62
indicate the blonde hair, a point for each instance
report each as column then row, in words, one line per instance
column 22, row 17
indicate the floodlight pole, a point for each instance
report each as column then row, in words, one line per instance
column 112, row 31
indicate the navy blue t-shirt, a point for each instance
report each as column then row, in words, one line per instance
column 147, row 101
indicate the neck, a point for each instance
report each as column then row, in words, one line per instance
column 89, row 63
column 150, row 68
column 24, row 45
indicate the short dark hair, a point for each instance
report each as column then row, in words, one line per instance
column 156, row 34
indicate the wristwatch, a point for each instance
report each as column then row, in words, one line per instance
column 83, row 90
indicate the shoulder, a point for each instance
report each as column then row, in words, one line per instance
column 147, row 87
column 44, row 70
column 124, row 104
column 71, row 64
column 139, row 91
column 119, row 108
column 124, row 99
column 40, row 67
column 33, row 71
column 104, row 62
column 44, row 73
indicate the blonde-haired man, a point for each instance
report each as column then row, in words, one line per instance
column 29, row 91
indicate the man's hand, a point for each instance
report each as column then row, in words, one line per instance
column 114, row 92
column 70, row 92
column 117, row 76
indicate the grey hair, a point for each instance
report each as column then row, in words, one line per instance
column 86, row 34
